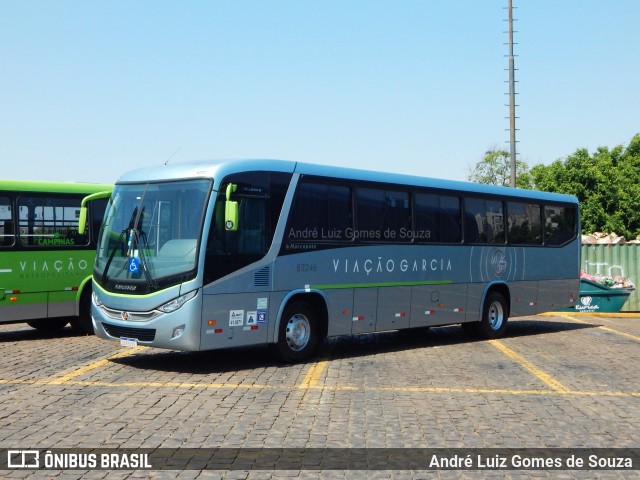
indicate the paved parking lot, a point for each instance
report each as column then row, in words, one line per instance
column 553, row 382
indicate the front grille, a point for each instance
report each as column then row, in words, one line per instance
column 142, row 334
column 131, row 316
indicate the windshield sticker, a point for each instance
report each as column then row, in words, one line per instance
column 134, row 265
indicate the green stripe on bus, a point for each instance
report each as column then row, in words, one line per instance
column 380, row 284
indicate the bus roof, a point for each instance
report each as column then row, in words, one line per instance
column 219, row 169
column 57, row 187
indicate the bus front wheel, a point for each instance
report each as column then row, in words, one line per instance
column 83, row 323
column 298, row 335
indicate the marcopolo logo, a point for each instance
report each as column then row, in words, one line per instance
column 499, row 263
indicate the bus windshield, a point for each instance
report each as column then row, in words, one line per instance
column 150, row 236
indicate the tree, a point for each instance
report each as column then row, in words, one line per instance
column 495, row 169
column 606, row 183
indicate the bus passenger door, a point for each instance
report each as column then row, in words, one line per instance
column 394, row 308
column 365, row 301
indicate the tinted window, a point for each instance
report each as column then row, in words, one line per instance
column 484, row 221
column 382, row 215
column 437, row 218
column 260, row 196
column 321, row 212
column 525, row 223
column 559, row 224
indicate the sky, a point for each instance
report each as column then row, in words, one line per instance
column 90, row 90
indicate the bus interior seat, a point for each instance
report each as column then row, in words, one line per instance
column 178, row 248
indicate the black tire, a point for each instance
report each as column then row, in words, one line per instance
column 83, row 323
column 495, row 315
column 298, row 335
column 49, row 325
column 471, row 329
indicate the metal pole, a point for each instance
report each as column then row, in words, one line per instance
column 512, row 100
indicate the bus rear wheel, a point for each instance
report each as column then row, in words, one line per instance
column 298, row 336
column 49, row 325
column 494, row 318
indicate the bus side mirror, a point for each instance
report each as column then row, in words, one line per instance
column 231, row 210
column 82, row 221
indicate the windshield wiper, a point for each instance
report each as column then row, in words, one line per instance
column 138, row 243
column 135, row 217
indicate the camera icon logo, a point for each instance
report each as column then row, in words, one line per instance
column 23, row 459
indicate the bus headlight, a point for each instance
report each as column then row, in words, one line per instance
column 176, row 303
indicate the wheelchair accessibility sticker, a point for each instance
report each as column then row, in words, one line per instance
column 134, row 265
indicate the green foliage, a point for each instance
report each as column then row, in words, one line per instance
column 606, row 183
column 495, row 169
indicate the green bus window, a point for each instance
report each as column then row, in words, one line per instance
column 7, row 225
column 50, row 222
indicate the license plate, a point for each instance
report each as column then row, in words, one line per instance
column 128, row 342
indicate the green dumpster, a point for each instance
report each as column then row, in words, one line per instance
column 598, row 298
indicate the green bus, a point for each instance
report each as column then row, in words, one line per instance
column 45, row 263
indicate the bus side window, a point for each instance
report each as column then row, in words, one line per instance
column 323, row 208
column 260, row 196
column 253, row 226
column 249, row 239
column 437, row 218
column 525, row 223
column 97, row 210
column 383, row 215
column 560, row 224
column 50, row 221
column 8, row 232
column 7, row 225
column 484, row 221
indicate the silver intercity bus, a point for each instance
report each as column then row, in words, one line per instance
column 208, row 255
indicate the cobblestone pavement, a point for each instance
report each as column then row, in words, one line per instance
column 553, row 381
